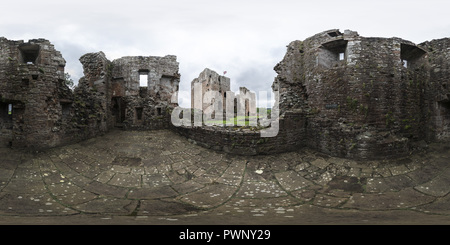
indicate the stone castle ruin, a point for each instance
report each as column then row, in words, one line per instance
column 338, row 93
column 38, row 110
column 209, row 94
column 366, row 97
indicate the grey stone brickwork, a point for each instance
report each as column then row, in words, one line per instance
column 32, row 94
column 366, row 97
column 337, row 92
column 209, row 80
column 38, row 110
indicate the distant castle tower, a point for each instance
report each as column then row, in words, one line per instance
column 209, row 80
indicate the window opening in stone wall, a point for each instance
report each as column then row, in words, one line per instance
column 139, row 111
column 247, row 107
column 29, row 53
column 235, row 105
column 411, row 56
column 26, row 81
column 332, row 54
column 158, row 111
column 118, row 110
column 143, row 91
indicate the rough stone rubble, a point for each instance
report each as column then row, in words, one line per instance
column 339, row 93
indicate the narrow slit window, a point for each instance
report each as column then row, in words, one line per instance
column 341, row 56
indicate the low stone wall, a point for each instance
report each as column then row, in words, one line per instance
column 245, row 141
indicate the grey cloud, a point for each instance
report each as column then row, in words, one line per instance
column 247, row 38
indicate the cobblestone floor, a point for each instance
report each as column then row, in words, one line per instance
column 158, row 177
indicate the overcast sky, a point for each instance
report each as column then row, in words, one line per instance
column 246, row 38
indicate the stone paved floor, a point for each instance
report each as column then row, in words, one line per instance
column 158, row 177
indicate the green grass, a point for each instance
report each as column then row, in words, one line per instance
column 235, row 120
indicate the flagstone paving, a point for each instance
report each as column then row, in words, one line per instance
column 158, row 177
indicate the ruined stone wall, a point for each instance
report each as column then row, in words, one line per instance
column 361, row 101
column 38, row 110
column 91, row 106
column 248, row 140
column 32, row 82
column 147, row 106
column 246, row 102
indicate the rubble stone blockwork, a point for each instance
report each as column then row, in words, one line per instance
column 146, row 106
column 209, row 80
column 338, row 93
column 366, row 97
column 38, row 110
column 33, row 96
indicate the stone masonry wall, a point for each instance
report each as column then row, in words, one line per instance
column 360, row 99
column 438, row 89
column 31, row 83
column 248, row 140
column 209, row 80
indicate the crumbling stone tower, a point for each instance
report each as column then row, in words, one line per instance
column 34, row 100
column 438, row 96
column 124, row 101
column 209, row 80
column 365, row 97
